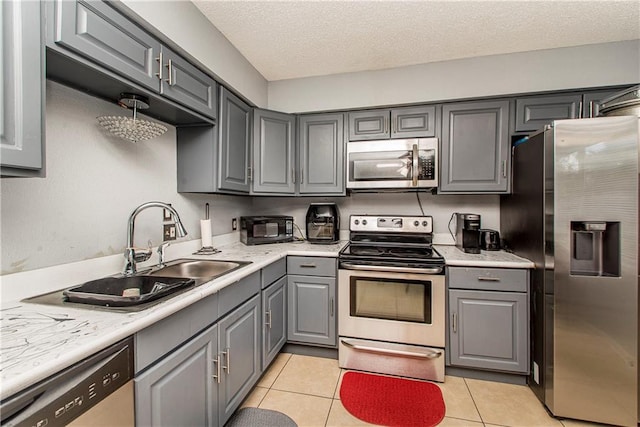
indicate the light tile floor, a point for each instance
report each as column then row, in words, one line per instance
column 307, row 390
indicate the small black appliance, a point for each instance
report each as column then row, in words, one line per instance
column 489, row 240
column 258, row 230
column 323, row 223
column 468, row 232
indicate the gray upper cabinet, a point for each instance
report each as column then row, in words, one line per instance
column 101, row 35
column 532, row 113
column 321, row 154
column 235, row 142
column 22, row 91
column 474, row 151
column 184, row 376
column 273, row 153
column 591, row 102
column 408, row 122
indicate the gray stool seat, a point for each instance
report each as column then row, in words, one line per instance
column 257, row 417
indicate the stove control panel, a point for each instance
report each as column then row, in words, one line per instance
column 395, row 224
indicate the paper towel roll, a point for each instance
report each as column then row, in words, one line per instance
column 205, row 232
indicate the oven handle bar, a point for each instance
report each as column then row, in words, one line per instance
column 431, row 355
column 390, row 269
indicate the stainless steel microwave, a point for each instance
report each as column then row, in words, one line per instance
column 392, row 164
column 257, row 230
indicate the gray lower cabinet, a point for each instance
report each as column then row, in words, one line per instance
column 405, row 122
column 475, row 148
column 321, row 154
column 274, row 312
column 101, row 35
column 488, row 319
column 180, row 390
column 22, row 92
column 239, row 345
column 274, row 166
column 311, row 300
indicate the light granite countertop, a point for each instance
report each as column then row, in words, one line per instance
column 37, row 341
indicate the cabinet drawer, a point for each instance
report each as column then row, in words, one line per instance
column 490, row 279
column 311, row 266
column 163, row 336
column 273, row 272
column 237, row 293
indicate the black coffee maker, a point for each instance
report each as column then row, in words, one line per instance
column 468, row 232
column 323, row 223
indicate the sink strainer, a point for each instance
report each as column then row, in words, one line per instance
column 133, row 128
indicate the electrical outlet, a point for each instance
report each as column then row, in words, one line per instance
column 234, row 224
column 166, row 215
column 169, row 232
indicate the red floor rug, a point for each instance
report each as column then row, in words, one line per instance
column 391, row 401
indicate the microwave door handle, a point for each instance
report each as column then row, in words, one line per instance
column 414, row 165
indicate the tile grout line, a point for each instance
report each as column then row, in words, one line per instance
column 473, row 400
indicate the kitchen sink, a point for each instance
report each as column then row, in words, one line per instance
column 126, row 291
column 198, row 269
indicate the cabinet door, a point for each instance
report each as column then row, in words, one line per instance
column 369, row 125
column 413, row 122
column 235, row 141
column 239, row 343
column 99, row 33
column 311, row 311
column 321, row 154
column 21, row 89
column 273, row 153
column 187, row 85
column 274, row 312
column 489, row 330
column 534, row 112
column 180, row 389
column 591, row 102
column 475, row 148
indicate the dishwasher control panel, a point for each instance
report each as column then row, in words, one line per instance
column 65, row 396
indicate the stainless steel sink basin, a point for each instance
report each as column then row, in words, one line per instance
column 200, row 270
column 126, row 291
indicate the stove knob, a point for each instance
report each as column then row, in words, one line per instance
column 356, row 222
column 364, row 222
column 416, row 223
column 424, row 223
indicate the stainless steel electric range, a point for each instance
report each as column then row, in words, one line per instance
column 391, row 293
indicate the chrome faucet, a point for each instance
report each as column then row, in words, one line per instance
column 134, row 255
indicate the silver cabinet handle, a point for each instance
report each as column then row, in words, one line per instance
column 430, row 270
column 307, row 266
column 454, row 323
column 159, row 59
column 386, row 125
column 301, row 175
column 579, row 110
column 268, row 322
column 591, row 109
column 170, row 69
column 504, row 168
column 227, row 356
column 331, row 306
column 293, row 175
column 430, row 355
column 216, row 377
column 489, row 279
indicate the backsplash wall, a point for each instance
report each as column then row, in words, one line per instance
column 94, row 181
column 440, row 207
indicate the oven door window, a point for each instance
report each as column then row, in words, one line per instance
column 390, row 299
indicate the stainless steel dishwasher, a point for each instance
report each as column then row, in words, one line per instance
column 96, row 391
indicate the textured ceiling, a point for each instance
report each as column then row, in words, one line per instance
column 290, row 39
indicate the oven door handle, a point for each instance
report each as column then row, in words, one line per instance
column 430, row 355
column 390, row 269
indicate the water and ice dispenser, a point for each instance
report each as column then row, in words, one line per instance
column 595, row 248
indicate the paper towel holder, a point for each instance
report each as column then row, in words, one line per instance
column 205, row 228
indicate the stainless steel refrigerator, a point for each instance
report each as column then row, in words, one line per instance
column 573, row 211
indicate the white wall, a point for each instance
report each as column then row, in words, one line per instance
column 184, row 24
column 607, row 64
column 94, row 180
column 440, row 207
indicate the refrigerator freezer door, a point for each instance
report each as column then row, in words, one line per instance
column 595, row 373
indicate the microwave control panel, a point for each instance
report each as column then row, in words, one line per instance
column 426, row 166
